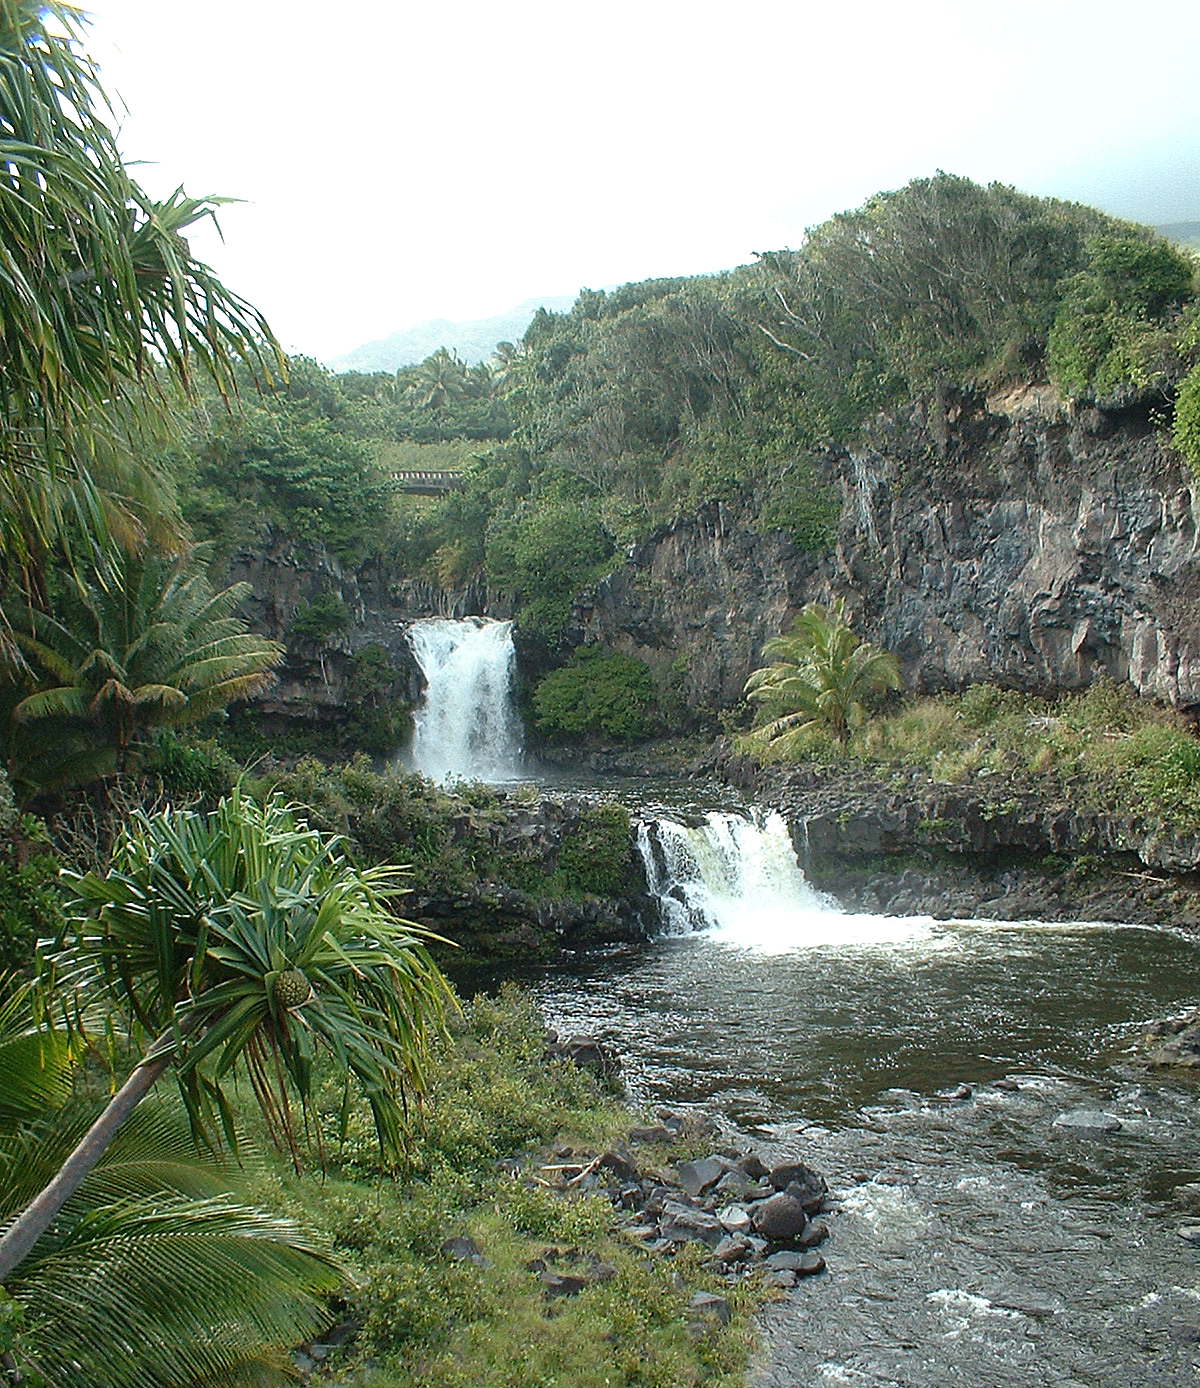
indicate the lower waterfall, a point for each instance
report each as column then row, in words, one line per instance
column 736, row 877
column 467, row 726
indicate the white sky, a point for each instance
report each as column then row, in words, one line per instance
column 401, row 161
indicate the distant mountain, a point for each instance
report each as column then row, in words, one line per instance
column 473, row 341
column 1184, row 233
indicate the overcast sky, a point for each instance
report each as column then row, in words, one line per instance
column 401, row 162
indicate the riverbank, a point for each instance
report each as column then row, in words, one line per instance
column 543, row 1232
column 1003, row 847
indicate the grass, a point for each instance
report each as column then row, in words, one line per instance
column 1105, row 747
column 428, row 1321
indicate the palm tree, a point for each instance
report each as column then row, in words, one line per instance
column 821, row 674
column 243, row 939
column 102, row 306
column 137, row 641
column 181, row 1281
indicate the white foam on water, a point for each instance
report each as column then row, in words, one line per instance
column 736, row 878
column 467, row 726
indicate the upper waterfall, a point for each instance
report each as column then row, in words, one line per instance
column 466, row 727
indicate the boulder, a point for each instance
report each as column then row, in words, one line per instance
column 780, row 1218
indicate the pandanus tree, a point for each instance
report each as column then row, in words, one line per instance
column 243, row 941
column 821, row 674
column 104, row 311
column 182, row 1281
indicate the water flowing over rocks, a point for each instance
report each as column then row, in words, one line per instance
column 998, row 847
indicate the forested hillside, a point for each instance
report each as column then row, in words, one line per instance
column 642, row 404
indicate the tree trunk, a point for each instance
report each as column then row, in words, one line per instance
column 36, row 1218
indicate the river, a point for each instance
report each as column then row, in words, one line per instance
column 980, row 1240
column 1010, row 1184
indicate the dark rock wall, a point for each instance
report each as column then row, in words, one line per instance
column 1007, row 541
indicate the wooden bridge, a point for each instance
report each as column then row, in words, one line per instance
column 424, row 482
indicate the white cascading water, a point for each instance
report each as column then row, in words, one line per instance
column 467, row 727
column 737, row 879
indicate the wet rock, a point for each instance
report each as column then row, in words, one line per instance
column 810, row 1265
column 802, row 1183
column 780, row 1218
column 1190, row 1233
column 784, row 1278
column 1088, row 1121
column 695, row 1177
column 1173, row 1043
column 585, row 1053
column 961, row 1091
column 816, row 1232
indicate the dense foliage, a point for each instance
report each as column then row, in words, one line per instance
column 821, row 675
column 598, row 693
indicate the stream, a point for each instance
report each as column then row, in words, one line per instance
column 1010, row 1185
column 1024, row 1233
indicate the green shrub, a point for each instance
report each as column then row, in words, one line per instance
column 1185, row 431
column 316, row 621
column 30, row 896
column 1111, row 331
column 597, row 693
column 595, row 859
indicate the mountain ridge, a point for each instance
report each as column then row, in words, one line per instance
column 473, row 340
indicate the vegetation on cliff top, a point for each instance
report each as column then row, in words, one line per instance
column 1103, row 749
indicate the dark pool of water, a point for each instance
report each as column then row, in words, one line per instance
column 978, row 1241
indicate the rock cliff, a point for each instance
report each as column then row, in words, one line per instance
column 1006, row 540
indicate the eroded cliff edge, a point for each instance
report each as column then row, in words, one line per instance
column 1007, row 540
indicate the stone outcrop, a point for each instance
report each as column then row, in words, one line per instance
column 1000, row 847
column 1006, row 540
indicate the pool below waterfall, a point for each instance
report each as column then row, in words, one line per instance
column 1011, row 1184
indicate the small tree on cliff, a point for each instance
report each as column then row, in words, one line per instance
column 822, row 674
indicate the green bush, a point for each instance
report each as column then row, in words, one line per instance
column 595, row 859
column 316, row 621
column 1111, row 333
column 598, row 693
column 1186, row 429
column 30, row 896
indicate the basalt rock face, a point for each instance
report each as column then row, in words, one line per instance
column 1002, row 847
column 315, row 682
column 1005, row 540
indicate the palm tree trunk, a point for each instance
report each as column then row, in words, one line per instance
column 36, row 1218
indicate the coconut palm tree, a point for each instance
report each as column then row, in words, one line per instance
column 137, row 641
column 822, row 674
column 181, row 1281
column 243, row 940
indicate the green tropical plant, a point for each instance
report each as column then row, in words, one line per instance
column 103, row 308
column 243, row 940
column 821, row 673
column 181, row 1282
column 136, row 642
